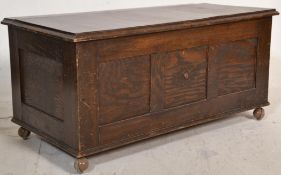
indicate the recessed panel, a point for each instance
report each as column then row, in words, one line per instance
column 42, row 83
column 235, row 65
column 184, row 76
column 124, row 87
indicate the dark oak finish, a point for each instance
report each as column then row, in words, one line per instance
column 42, row 87
column 124, row 89
column 115, row 23
column 94, row 81
column 185, row 76
column 235, row 65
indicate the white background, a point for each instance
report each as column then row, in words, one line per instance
column 12, row 8
column 234, row 146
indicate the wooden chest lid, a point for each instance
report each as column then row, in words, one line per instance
column 86, row 26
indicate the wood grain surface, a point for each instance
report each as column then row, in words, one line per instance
column 124, row 89
column 87, row 85
column 236, row 64
column 42, row 83
column 114, row 23
column 185, row 76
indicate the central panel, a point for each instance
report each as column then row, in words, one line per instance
column 185, row 76
column 178, row 77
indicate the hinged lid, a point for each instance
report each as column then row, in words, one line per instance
column 86, row 26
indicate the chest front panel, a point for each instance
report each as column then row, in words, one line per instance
column 143, row 76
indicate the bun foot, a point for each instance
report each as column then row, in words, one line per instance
column 23, row 133
column 81, row 164
column 259, row 113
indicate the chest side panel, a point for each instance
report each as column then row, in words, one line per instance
column 43, row 87
column 42, row 76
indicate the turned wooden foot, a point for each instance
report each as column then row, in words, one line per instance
column 259, row 113
column 23, row 133
column 81, row 164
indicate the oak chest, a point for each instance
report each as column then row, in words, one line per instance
column 89, row 82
